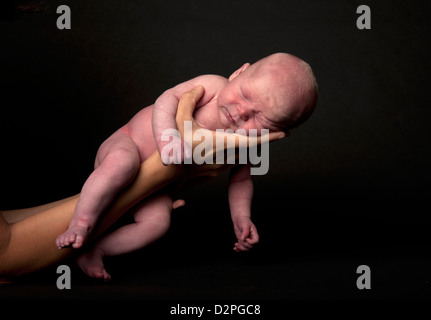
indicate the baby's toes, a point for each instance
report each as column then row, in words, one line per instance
column 106, row 275
column 61, row 240
column 70, row 238
column 58, row 242
column 78, row 241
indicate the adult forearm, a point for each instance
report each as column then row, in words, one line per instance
column 31, row 245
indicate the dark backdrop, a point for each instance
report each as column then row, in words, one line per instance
column 351, row 183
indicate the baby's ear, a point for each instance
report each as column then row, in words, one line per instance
column 239, row 71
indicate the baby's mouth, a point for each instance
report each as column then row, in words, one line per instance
column 228, row 116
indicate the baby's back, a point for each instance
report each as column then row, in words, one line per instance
column 139, row 128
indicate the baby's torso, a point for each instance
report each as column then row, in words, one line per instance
column 139, row 128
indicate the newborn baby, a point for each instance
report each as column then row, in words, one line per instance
column 276, row 93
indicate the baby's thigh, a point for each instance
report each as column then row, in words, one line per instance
column 118, row 145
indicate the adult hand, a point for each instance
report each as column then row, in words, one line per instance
column 185, row 110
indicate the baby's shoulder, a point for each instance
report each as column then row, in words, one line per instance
column 211, row 81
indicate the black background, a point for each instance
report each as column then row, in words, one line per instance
column 349, row 187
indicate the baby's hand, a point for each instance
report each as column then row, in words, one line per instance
column 246, row 234
column 175, row 151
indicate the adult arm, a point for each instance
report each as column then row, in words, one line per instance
column 29, row 245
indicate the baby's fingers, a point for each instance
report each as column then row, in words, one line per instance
column 253, row 237
column 246, row 244
column 238, row 248
column 242, row 246
column 166, row 159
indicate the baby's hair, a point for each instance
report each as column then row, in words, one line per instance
column 312, row 90
column 299, row 84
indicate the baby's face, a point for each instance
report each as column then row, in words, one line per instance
column 250, row 103
column 266, row 95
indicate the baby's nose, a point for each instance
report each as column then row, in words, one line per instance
column 243, row 113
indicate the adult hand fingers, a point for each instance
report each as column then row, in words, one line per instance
column 186, row 106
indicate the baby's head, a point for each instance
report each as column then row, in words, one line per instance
column 277, row 93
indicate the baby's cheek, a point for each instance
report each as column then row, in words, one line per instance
column 251, row 124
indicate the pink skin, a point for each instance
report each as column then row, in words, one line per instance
column 245, row 103
column 252, row 98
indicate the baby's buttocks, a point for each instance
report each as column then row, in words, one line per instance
column 140, row 130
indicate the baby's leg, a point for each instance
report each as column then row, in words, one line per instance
column 152, row 220
column 117, row 163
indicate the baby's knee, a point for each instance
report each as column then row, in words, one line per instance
column 161, row 218
column 164, row 223
column 157, row 212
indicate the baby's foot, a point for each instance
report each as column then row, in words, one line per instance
column 74, row 236
column 92, row 264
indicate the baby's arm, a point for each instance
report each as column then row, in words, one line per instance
column 240, row 197
column 165, row 109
